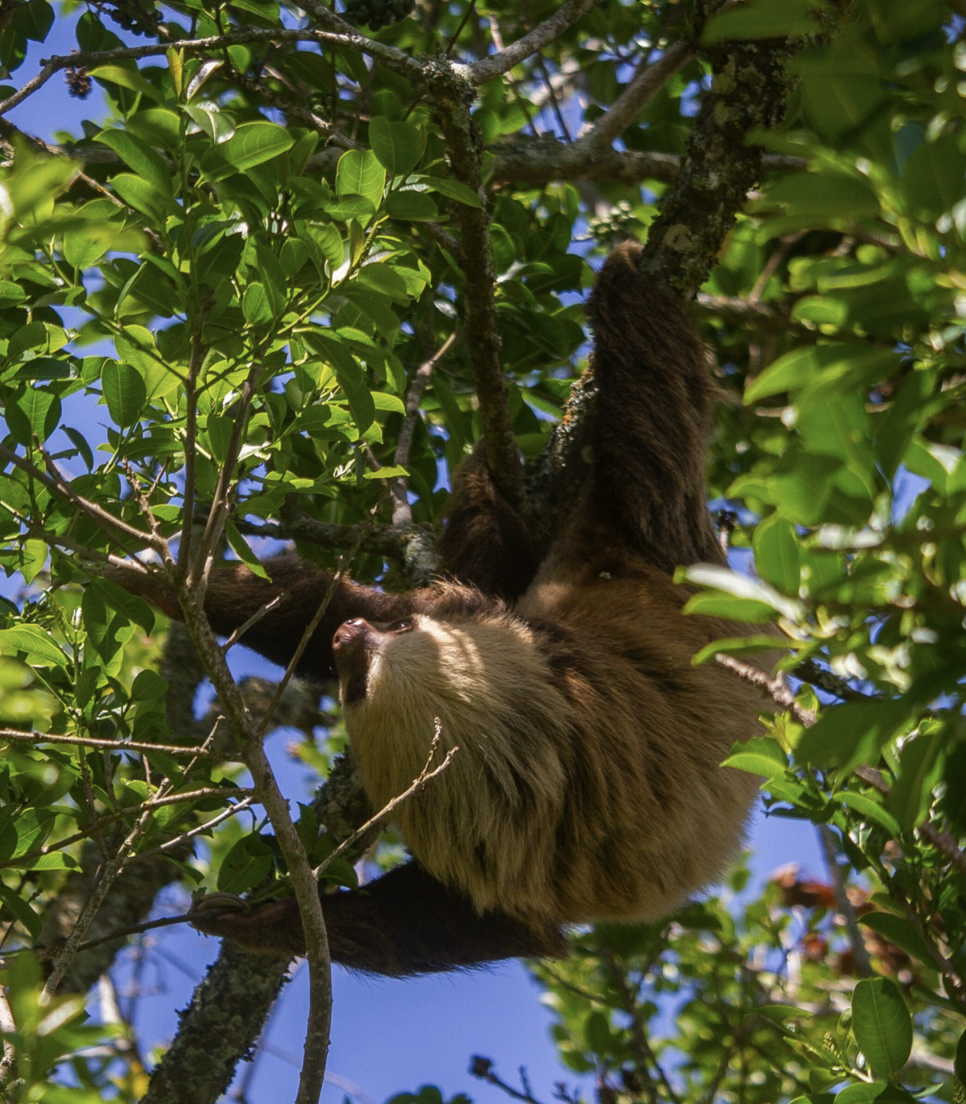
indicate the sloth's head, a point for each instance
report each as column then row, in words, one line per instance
column 439, row 664
column 474, row 675
column 483, row 683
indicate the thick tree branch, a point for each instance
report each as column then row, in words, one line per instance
column 465, row 148
column 748, row 93
column 695, row 217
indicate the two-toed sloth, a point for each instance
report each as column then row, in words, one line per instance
column 587, row 784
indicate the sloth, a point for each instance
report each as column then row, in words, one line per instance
column 587, row 784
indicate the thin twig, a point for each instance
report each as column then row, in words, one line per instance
column 191, row 431
column 107, row 874
column 36, row 737
column 399, row 487
column 53, row 481
column 780, row 693
column 253, row 620
column 172, row 844
column 645, row 84
column 112, row 818
column 424, row 776
column 646, row 1058
column 198, row 569
column 345, row 560
column 860, row 953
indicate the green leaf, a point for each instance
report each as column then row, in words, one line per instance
column 757, row 600
column 901, row 933
column 124, row 392
column 33, row 645
column 142, row 195
column 33, row 412
column 761, row 756
column 804, row 366
column 777, row 557
column 852, row 733
column 765, row 19
column 238, row 545
column 359, row 173
column 878, row 1091
column 452, row 189
column 127, row 78
column 869, row 809
column 21, row 911
column 272, row 277
column 133, row 608
column 255, row 143
column 741, row 645
column 398, row 145
column 140, row 157
column 248, row 862
column 350, row 207
column 382, row 278
column 920, row 768
column 34, row 19
column 959, row 1063
column 362, row 407
column 411, row 206
column 881, row 1025
column 33, row 556
column 87, row 243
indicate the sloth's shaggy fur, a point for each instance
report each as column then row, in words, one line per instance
column 588, row 783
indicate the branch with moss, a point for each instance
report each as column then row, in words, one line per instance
column 696, row 214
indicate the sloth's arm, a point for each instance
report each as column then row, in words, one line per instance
column 403, row 923
column 235, row 595
column 654, row 419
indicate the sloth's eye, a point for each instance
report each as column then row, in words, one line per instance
column 404, row 624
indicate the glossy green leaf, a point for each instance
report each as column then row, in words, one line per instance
column 129, row 78
column 248, row 862
column 124, row 392
column 33, row 645
column 852, row 733
column 777, row 558
column 141, row 158
column 761, row 756
column 398, row 145
column 359, row 173
column 901, row 933
column 141, row 195
column 764, row 19
column 34, row 19
column 411, row 206
column 34, row 412
column 255, row 143
column 882, row 1025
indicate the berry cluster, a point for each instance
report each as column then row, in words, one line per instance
column 377, row 13
column 78, row 82
column 138, row 16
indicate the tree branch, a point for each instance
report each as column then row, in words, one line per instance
column 465, row 149
column 496, row 64
column 402, row 515
column 646, row 83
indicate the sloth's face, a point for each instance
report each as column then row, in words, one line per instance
column 426, row 665
column 356, row 644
